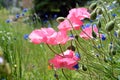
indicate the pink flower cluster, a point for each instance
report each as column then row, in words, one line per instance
column 74, row 19
column 66, row 59
column 48, row 36
column 75, row 16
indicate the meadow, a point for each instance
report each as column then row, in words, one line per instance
column 98, row 51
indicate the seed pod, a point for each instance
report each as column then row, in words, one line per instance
column 60, row 19
column 93, row 15
column 94, row 34
column 99, row 11
column 93, row 6
column 110, row 26
column 84, row 68
column 99, row 24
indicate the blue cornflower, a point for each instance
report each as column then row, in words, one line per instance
column 98, row 17
column 55, row 16
column 45, row 21
column 25, row 10
column 46, row 15
column 86, row 25
column 110, row 45
column 110, row 8
column 8, row 21
column 22, row 14
column 17, row 15
column 97, row 55
column 77, row 55
column 118, row 10
column 3, row 79
column 114, row 15
column 91, row 21
column 115, row 34
column 49, row 25
column 26, row 36
column 98, row 46
column 76, row 66
column 71, row 35
column 103, row 37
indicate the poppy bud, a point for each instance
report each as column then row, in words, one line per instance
column 84, row 68
column 113, row 51
column 118, row 33
column 71, row 48
column 99, row 24
column 93, row 6
column 76, row 37
column 93, row 15
column 60, row 19
column 99, row 11
column 110, row 25
column 94, row 34
column 105, row 60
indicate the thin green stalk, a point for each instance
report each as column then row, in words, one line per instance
column 64, row 75
column 71, row 26
column 52, row 50
column 61, row 50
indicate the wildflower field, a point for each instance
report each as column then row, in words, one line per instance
column 84, row 45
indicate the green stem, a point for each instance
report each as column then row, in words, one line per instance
column 64, row 75
column 61, row 50
column 71, row 25
column 52, row 50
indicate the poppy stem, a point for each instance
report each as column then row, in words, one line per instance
column 61, row 49
column 71, row 25
column 64, row 74
column 52, row 50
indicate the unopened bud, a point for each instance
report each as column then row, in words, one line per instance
column 94, row 34
column 84, row 68
column 110, row 26
column 99, row 24
column 60, row 19
column 71, row 48
column 93, row 15
column 99, row 11
column 113, row 51
column 118, row 33
column 105, row 60
column 93, row 6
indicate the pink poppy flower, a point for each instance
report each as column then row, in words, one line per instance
column 40, row 35
column 87, row 32
column 80, row 13
column 66, row 26
column 66, row 60
column 58, row 38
